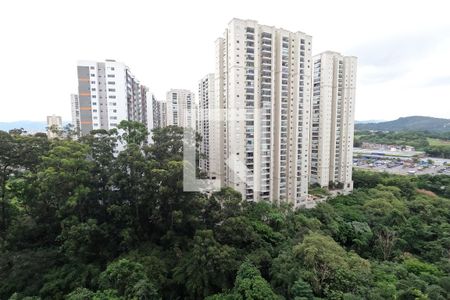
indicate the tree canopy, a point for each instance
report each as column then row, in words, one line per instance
column 80, row 221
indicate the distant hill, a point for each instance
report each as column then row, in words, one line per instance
column 29, row 126
column 413, row 123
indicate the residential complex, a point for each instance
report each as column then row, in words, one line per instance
column 263, row 83
column 333, row 109
column 273, row 119
column 210, row 128
column 181, row 108
column 107, row 94
column 54, row 124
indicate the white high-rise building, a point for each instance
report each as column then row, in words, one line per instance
column 210, row 129
column 263, row 83
column 181, row 108
column 333, row 109
column 75, row 103
column 107, row 94
column 54, row 124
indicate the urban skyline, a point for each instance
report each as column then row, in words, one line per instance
column 273, row 118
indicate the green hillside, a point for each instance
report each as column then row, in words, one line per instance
column 413, row 123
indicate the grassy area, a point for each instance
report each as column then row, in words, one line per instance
column 438, row 142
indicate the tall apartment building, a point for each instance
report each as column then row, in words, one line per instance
column 53, row 123
column 163, row 113
column 181, row 108
column 159, row 114
column 107, row 94
column 75, row 105
column 263, row 83
column 210, row 129
column 333, row 109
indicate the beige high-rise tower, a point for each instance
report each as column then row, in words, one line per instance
column 263, row 85
column 210, row 129
column 181, row 108
column 333, row 110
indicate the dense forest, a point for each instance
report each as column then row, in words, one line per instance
column 79, row 222
column 419, row 140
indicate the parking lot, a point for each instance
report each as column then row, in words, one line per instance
column 403, row 167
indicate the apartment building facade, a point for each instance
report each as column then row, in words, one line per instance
column 159, row 113
column 180, row 107
column 263, row 84
column 107, row 94
column 75, row 108
column 209, row 126
column 332, row 120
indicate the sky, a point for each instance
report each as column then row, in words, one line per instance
column 403, row 47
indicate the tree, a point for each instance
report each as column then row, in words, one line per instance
column 301, row 290
column 207, row 268
column 18, row 153
column 250, row 285
column 128, row 279
column 168, row 144
column 329, row 268
column 133, row 132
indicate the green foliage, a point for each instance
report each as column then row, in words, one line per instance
column 301, row 290
column 80, row 221
column 207, row 268
column 329, row 268
column 250, row 285
column 128, row 279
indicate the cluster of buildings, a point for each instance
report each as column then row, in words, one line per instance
column 273, row 118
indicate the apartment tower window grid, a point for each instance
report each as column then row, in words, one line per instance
column 181, row 110
column 333, row 120
column 107, row 94
column 264, row 73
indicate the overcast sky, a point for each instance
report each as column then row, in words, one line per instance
column 403, row 47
